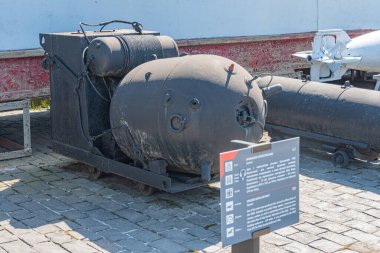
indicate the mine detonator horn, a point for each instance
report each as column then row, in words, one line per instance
column 267, row 91
column 272, row 90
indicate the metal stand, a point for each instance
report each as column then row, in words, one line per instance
column 377, row 77
column 252, row 245
column 249, row 246
column 166, row 182
column 27, row 150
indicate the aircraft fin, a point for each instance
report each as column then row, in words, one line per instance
column 327, row 58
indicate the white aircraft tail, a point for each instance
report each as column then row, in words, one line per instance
column 327, row 59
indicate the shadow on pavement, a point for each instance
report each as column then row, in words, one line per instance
column 49, row 203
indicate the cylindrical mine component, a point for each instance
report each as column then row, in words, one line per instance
column 186, row 110
column 344, row 112
column 117, row 55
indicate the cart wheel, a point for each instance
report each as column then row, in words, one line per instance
column 96, row 173
column 146, row 189
column 341, row 159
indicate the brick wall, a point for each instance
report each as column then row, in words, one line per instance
column 21, row 74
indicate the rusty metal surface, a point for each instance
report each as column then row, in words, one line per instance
column 186, row 110
column 9, row 145
column 80, row 113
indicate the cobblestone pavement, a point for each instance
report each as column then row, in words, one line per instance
column 48, row 203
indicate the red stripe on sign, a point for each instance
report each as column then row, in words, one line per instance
column 228, row 156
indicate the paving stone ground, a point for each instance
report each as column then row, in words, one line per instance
column 49, row 203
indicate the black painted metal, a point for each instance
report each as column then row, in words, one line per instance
column 186, row 111
column 169, row 182
column 345, row 117
column 170, row 117
column 77, row 113
column 117, row 55
column 249, row 246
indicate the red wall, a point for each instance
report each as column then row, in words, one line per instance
column 262, row 56
column 24, row 77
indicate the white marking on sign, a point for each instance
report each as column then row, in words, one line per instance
column 229, row 179
column 228, row 166
column 230, row 219
column 229, row 206
column 229, row 193
column 230, row 232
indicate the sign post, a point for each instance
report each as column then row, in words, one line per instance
column 251, row 246
column 259, row 192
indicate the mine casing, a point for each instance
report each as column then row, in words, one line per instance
column 118, row 55
column 344, row 112
column 366, row 46
column 185, row 111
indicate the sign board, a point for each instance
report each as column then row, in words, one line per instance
column 259, row 189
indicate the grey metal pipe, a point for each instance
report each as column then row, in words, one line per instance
column 346, row 113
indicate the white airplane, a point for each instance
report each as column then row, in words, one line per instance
column 334, row 52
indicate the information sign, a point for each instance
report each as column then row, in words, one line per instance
column 259, row 189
